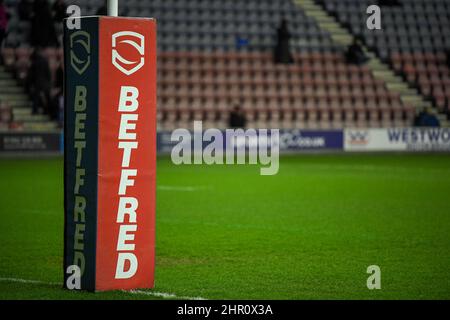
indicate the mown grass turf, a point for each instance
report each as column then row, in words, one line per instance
column 309, row 232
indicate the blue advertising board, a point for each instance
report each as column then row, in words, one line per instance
column 290, row 140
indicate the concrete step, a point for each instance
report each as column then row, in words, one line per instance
column 414, row 91
column 326, row 22
column 380, row 70
column 391, row 78
column 329, row 25
column 40, row 126
column 5, row 76
column 415, row 101
column 399, row 87
column 7, row 82
column 20, row 104
column 11, row 89
column 14, row 97
column 31, row 117
column 342, row 39
column 410, row 92
column 377, row 66
column 21, row 111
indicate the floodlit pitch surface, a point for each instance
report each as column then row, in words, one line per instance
column 225, row 232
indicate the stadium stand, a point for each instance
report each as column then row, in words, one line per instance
column 216, row 54
column 318, row 91
column 414, row 40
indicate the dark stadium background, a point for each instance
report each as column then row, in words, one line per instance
column 225, row 232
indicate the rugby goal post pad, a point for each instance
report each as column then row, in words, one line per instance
column 110, row 153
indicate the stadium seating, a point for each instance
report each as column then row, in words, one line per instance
column 414, row 38
column 429, row 72
column 318, row 91
column 214, row 54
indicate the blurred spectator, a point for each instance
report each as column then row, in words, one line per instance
column 355, row 53
column 39, row 82
column 426, row 119
column 282, row 53
column 59, row 10
column 25, row 9
column 43, row 32
column 3, row 22
column 237, row 118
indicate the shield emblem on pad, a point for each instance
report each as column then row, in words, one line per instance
column 133, row 41
column 80, row 51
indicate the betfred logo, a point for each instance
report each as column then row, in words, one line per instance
column 80, row 51
column 125, row 248
column 128, row 205
column 128, row 51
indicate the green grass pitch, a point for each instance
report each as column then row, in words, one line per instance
column 225, row 232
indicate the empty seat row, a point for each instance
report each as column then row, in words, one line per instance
column 431, row 78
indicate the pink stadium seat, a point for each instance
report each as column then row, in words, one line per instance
column 318, row 87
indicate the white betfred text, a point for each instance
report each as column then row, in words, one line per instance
column 126, row 213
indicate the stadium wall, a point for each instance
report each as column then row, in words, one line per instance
column 296, row 140
column 30, row 142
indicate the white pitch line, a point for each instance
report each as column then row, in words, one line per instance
column 30, row 281
column 141, row 292
column 180, row 188
column 162, row 295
